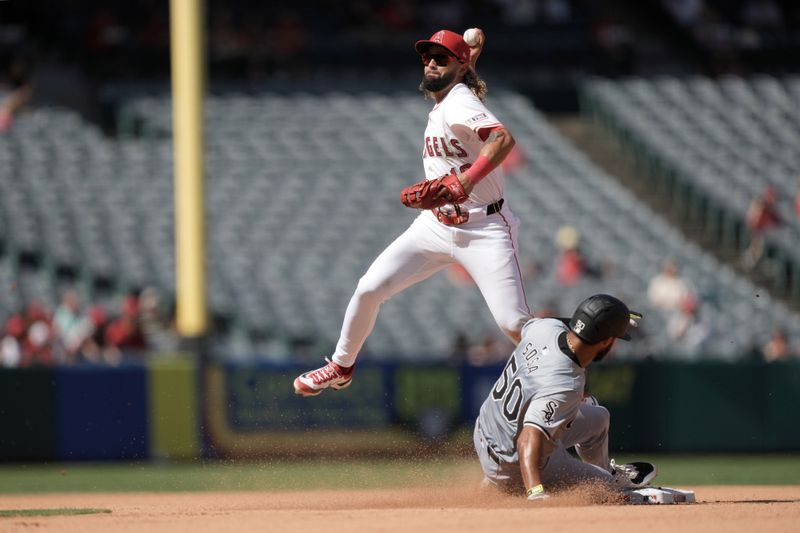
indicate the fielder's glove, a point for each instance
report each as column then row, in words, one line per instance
column 537, row 493
column 430, row 194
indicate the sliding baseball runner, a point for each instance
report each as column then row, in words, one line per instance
column 536, row 410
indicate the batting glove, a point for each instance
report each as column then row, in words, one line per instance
column 537, row 493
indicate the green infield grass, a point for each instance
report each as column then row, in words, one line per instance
column 722, row 469
column 674, row 470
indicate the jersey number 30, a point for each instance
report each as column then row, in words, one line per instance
column 510, row 395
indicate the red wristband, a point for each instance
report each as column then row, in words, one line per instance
column 479, row 169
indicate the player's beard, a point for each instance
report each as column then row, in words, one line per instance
column 434, row 85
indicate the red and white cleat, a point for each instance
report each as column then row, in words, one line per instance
column 331, row 375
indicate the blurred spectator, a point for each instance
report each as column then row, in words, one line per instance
column 15, row 92
column 689, row 330
column 68, row 327
column 761, row 216
column 156, row 327
column 11, row 343
column 124, row 335
column 571, row 265
column 94, row 328
column 36, row 347
column 667, row 290
column 777, row 347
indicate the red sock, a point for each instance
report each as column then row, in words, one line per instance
column 344, row 370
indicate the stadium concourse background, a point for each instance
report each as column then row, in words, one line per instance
column 647, row 131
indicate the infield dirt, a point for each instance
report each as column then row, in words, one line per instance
column 760, row 509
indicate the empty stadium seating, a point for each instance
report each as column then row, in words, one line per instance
column 302, row 195
column 725, row 140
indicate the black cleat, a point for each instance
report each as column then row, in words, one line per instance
column 636, row 475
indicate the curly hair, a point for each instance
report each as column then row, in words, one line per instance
column 471, row 80
column 476, row 84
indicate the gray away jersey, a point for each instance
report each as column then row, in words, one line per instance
column 540, row 385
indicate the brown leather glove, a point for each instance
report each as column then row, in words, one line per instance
column 430, row 194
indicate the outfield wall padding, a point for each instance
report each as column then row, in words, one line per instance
column 700, row 407
column 27, row 414
column 101, row 413
column 175, row 409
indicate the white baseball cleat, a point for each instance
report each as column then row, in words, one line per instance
column 331, row 375
column 634, row 475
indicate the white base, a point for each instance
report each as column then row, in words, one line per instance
column 659, row 495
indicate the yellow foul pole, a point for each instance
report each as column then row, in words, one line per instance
column 188, row 87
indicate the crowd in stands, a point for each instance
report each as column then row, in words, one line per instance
column 572, row 265
column 731, row 30
column 253, row 38
column 762, row 217
column 248, row 36
column 73, row 333
column 691, row 327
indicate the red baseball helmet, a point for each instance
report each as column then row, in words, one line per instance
column 454, row 43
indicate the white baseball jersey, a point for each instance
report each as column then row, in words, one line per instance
column 452, row 141
column 542, row 384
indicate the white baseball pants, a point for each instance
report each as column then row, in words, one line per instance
column 486, row 247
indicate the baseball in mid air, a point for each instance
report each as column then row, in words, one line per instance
column 471, row 36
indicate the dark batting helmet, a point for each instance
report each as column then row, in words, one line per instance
column 600, row 317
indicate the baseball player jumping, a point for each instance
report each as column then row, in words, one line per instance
column 536, row 410
column 464, row 218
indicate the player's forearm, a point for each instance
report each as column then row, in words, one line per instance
column 529, row 448
column 497, row 146
column 494, row 151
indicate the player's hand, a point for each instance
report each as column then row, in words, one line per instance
column 537, row 493
column 475, row 51
column 455, row 188
column 442, row 194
